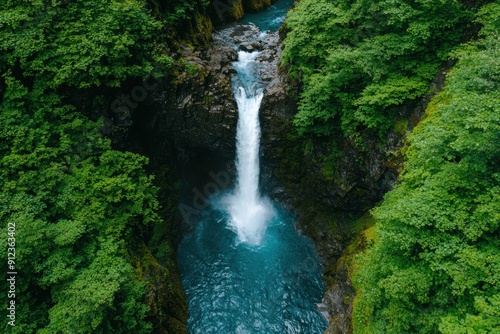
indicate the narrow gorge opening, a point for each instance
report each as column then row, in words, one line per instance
column 244, row 266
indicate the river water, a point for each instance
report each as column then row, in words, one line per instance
column 244, row 267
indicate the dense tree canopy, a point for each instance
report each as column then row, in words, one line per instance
column 77, row 43
column 436, row 264
column 75, row 203
column 80, row 208
column 174, row 11
column 359, row 61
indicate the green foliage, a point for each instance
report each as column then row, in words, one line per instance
column 401, row 127
column 75, row 203
column 176, row 11
column 436, row 265
column 359, row 61
column 77, row 43
column 80, row 208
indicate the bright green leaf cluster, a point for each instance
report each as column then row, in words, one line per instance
column 80, row 208
column 176, row 11
column 436, row 265
column 77, row 43
column 75, row 203
column 361, row 60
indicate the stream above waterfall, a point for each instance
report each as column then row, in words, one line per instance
column 244, row 267
column 271, row 18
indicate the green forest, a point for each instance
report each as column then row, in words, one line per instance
column 360, row 61
column 82, row 210
column 93, row 228
column 434, row 263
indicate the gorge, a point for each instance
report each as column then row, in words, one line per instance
column 233, row 166
column 244, row 268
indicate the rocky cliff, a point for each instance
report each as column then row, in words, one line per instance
column 188, row 122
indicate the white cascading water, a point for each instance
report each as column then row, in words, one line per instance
column 244, row 267
column 249, row 211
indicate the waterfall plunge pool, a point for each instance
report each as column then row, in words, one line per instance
column 244, row 267
column 236, row 288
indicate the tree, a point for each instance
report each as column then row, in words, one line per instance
column 359, row 61
column 436, row 265
column 77, row 205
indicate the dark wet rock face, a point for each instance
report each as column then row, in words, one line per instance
column 338, row 301
column 204, row 113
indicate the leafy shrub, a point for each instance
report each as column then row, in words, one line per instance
column 435, row 266
column 359, row 61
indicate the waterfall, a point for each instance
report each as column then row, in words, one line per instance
column 248, row 210
column 244, row 267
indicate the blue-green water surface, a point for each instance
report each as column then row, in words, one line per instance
column 233, row 287
column 271, row 18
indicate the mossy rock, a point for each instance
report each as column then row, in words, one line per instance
column 226, row 11
column 256, row 5
column 197, row 31
column 165, row 296
column 237, row 11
